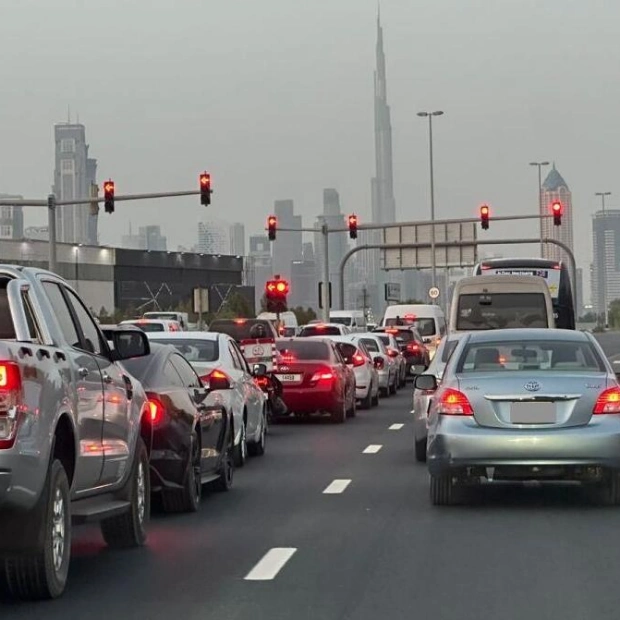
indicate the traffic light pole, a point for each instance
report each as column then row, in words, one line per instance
column 51, row 203
column 455, row 244
column 326, row 308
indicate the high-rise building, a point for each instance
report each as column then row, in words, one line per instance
column 338, row 245
column 148, row 238
column 288, row 245
column 237, row 239
column 213, row 238
column 11, row 219
column 555, row 188
column 606, row 259
column 74, row 173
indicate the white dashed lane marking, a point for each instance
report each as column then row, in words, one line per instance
column 396, row 427
column 337, row 486
column 271, row 564
column 373, row 448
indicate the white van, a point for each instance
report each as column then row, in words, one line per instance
column 288, row 321
column 353, row 319
column 500, row 302
column 428, row 319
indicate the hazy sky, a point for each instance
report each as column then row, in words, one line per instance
column 274, row 98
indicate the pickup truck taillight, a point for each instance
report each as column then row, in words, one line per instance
column 10, row 402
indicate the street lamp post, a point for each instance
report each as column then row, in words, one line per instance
column 76, row 254
column 430, row 115
column 539, row 165
column 605, row 305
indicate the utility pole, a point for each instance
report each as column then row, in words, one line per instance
column 365, row 302
column 325, row 233
column 603, row 195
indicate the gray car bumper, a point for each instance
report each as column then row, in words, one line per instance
column 457, row 442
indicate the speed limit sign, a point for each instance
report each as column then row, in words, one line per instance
column 433, row 292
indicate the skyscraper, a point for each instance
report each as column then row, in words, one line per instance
column 288, row 245
column 237, row 239
column 11, row 219
column 74, row 173
column 213, row 238
column 555, row 188
column 606, row 263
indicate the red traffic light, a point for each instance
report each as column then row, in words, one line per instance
column 484, row 216
column 557, row 209
column 272, row 225
column 205, row 189
column 108, row 188
column 353, row 226
column 108, row 196
column 276, row 288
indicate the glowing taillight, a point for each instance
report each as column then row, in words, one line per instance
column 10, row 402
column 608, row 401
column 156, row 411
column 322, row 376
column 413, row 348
column 454, row 402
column 358, row 360
column 262, row 382
column 392, row 352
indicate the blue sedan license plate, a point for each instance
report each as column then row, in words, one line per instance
column 533, row 413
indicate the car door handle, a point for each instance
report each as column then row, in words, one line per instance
column 106, row 378
column 83, row 372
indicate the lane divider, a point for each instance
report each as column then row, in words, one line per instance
column 396, row 427
column 337, row 486
column 271, row 564
column 373, row 448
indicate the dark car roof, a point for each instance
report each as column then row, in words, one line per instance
column 149, row 368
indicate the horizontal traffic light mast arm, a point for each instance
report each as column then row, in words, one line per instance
column 86, row 200
column 462, row 220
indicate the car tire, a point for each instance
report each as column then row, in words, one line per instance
column 188, row 498
column 420, row 449
column 224, row 481
column 339, row 415
column 258, row 448
column 352, row 410
column 385, row 392
column 367, row 401
column 43, row 574
column 129, row 529
column 241, row 449
column 442, row 490
column 393, row 388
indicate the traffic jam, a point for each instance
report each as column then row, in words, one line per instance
column 162, row 411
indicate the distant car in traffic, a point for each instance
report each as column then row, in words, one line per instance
column 386, row 366
column 154, row 325
column 524, row 404
column 396, row 352
column 192, row 441
column 416, row 353
column 316, row 378
column 323, row 329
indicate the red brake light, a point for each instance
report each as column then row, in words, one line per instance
column 358, row 360
column 10, row 402
column 392, row 352
column 411, row 317
column 608, row 401
column 413, row 348
column 10, row 377
column 454, row 402
column 322, row 375
column 391, row 331
column 262, row 382
column 240, row 321
column 156, row 411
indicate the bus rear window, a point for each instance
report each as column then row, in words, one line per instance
column 426, row 327
column 501, row 311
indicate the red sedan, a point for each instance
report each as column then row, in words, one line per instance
column 315, row 378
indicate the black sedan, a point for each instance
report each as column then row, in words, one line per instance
column 192, row 443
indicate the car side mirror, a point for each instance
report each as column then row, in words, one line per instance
column 426, row 383
column 200, row 395
column 259, row 370
column 218, row 381
column 128, row 343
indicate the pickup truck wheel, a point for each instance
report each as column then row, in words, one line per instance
column 186, row 499
column 129, row 529
column 43, row 574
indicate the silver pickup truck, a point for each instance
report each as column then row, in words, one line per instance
column 75, row 434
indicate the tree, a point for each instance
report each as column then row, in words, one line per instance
column 235, row 306
column 303, row 316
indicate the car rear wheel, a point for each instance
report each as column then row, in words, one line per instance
column 339, row 415
column 367, row 401
column 351, row 411
column 258, row 448
column 188, row 498
column 241, row 449
column 43, row 574
column 420, row 450
column 227, row 467
column 375, row 399
column 442, row 490
column 393, row 387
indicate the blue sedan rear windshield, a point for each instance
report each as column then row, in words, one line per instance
column 539, row 355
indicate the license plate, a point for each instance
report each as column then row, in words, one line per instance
column 532, row 413
column 290, row 378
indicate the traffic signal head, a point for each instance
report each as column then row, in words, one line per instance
column 272, row 225
column 557, row 209
column 108, row 196
column 205, row 189
column 275, row 295
column 484, row 216
column 353, row 226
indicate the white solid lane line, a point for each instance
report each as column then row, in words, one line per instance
column 396, row 427
column 337, row 486
column 373, row 448
column 271, row 564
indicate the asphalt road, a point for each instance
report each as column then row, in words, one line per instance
column 378, row 549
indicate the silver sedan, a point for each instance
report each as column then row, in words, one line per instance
column 524, row 404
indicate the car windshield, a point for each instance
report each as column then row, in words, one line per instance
column 426, row 327
column 384, row 339
column 501, row 310
column 243, row 329
column 371, row 345
column 320, row 330
column 303, row 350
column 405, row 335
column 538, row 355
column 148, row 327
column 341, row 320
column 194, row 350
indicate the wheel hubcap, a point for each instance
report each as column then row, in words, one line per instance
column 141, row 492
column 58, row 530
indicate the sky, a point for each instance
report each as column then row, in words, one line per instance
column 275, row 99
